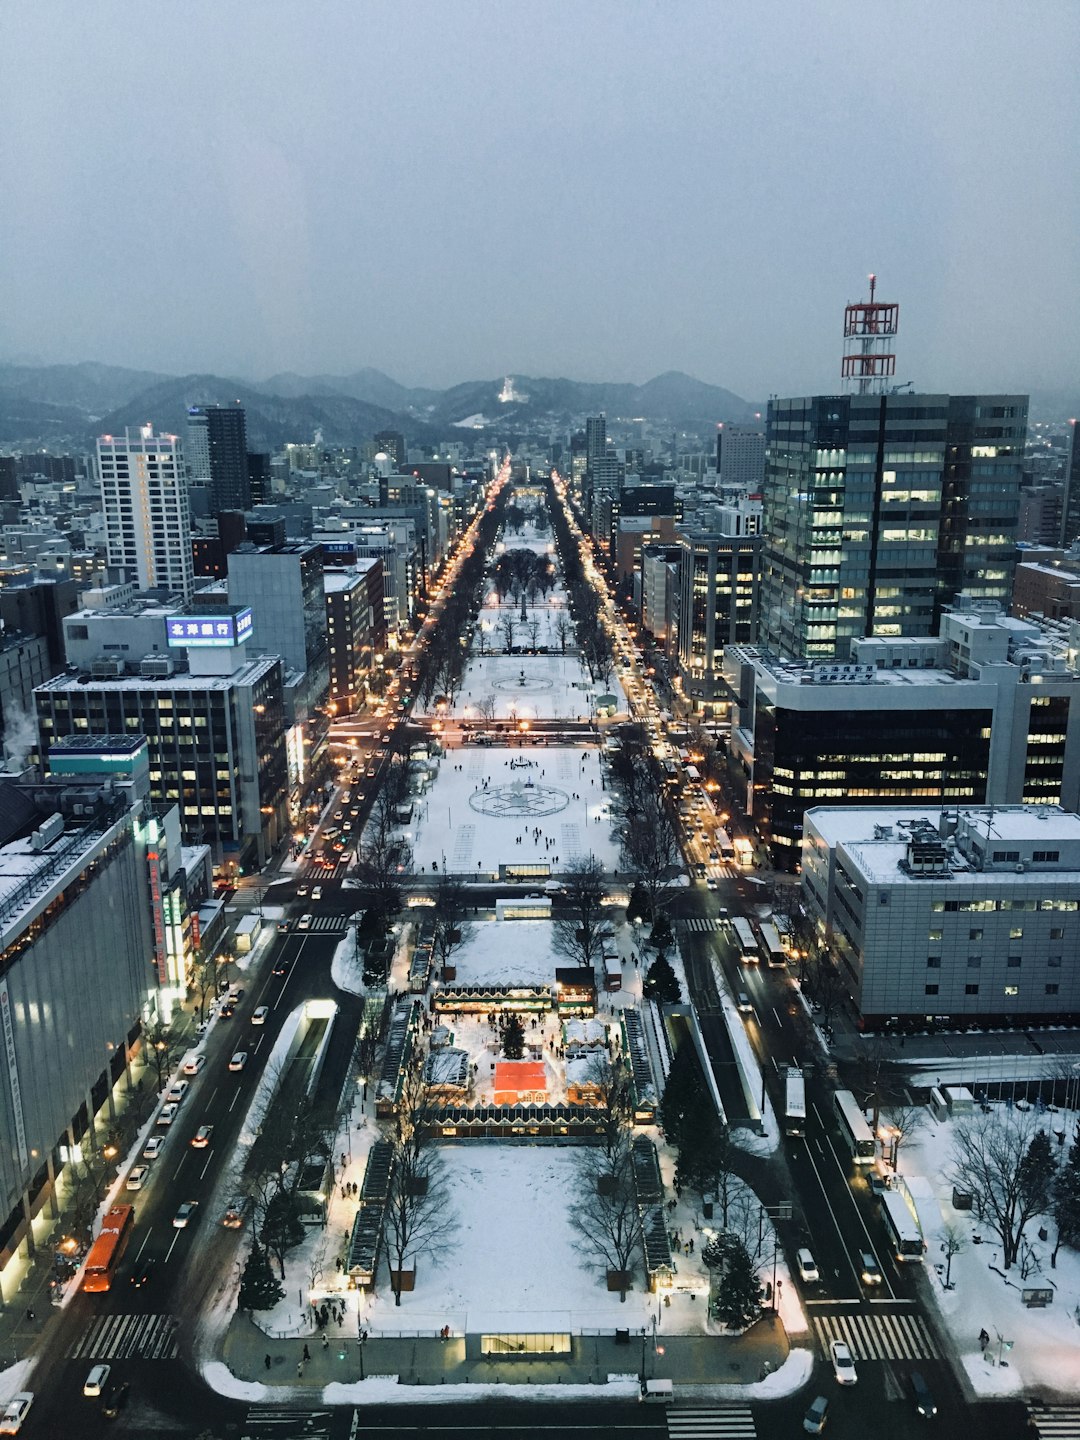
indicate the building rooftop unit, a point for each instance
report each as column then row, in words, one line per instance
column 912, row 845
column 247, row 674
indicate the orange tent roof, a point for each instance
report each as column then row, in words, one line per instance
column 514, row 1078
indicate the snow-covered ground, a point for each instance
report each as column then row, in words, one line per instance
column 485, row 808
column 514, row 1263
column 528, row 687
column 1045, row 1354
column 506, row 952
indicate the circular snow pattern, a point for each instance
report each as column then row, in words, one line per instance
column 525, row 684
column 519, row 798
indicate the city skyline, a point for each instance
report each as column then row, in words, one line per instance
column 606, row 196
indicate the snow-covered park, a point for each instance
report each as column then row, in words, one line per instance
column 488, row 807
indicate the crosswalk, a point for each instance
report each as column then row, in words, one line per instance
column 700, row 925
column 881, row 1336
column 120, row 1337
column 326, row 924
column 1056, row 1422
column 711, row 1422
column 286, row 1421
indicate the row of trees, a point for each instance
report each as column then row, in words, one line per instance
column 518, row 573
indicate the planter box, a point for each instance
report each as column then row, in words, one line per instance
column 619, row 1280
column 403, row 1280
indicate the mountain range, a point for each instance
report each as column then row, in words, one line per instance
column 55, row 405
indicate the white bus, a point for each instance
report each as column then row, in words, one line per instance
column 771, row 947
column 794, row 1102
column 854, row 1127
column 905, row 1233
column 723, row 844
column 746, row 939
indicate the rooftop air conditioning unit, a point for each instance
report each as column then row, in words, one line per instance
column 157, row 667
column 107, row 668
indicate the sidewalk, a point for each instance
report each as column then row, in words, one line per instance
column 429, row 1360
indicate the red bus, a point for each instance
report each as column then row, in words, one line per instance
column 107, row 1249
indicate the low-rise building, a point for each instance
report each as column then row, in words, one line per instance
column 949, row 916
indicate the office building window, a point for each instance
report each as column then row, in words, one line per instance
column 931, row 989
column 971, row 989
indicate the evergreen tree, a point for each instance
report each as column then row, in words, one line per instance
column 514, row 1038
column 661, row 931
column 259, row 1287
column 661, row 982
column 1037, row 1171
column 684, row 1094
column 639, row 906
column 705, row 1154
column 1065, row 1201
column 737, row 1290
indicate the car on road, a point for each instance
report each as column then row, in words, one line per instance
column 259, row 1014
column 176, row 1091
column 228, row 1010
column 184, row 1216
column 815, row 1417
column 142, row 1274
column 712, row 882
column 302, row 891
column 338, row 814
column 869, row 1268
column 281, row 966
column 96, row 1381
column 15, row 1412
column 745, row 1004
column 152, row 1148
column 193, row 1064
column 238, row 1061
column 701, row 871
column 807, row 1267
column 201, row 1139
column 237, row 1208
column 167, row 1113
column 304, row 923
column 877, row 1183
column 842, row 1364
column 925, row 1404
column 137, row 1178
column 316, row 894
column 115, row 1400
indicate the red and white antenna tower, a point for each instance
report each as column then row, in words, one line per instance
column 869, row 328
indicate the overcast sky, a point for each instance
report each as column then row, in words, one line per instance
column 603, row 189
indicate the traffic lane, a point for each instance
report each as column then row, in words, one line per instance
column 164, row 1400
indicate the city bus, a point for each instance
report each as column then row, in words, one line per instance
column 107, row 1249
column 723, row 844
column 905, row 1233
column 854, row 1127
column 771, row 947
column 794, row 1102
column 746, row 939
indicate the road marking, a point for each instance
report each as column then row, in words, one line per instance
column 183, row 1157
column 172, row 1247
column 202, row 1172
column 143, row 1246
column 210, row 1097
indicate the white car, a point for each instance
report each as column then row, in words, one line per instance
column 168, row 1113
column 259, row 1014
column 176, row 1091
column 304, row 923
column 193, row 1064
column 137, row 1178
column 316, row 894
column 152, row 1148
column 842, row 1363
column 15, row 1412
column 238, row 1061
column 184, row 1216
column 96, row 1381
column 808, row 1271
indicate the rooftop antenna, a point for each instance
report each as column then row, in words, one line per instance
column 869, row 327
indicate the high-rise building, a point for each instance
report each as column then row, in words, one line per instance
column 144, row 494
column 740, row 457
column 880, row 509
column 259, row 477
column 392, row 443
column 595, row 440
column 1070, row 508
column 718, row 602
column 217, row 436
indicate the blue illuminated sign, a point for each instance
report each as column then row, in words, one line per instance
column 211, row 631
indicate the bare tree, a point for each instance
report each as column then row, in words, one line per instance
column 507, row 630
column 992, row 1157
column 486, row 707
column 650, row 850
column 418, row 1219
column 577, row 930
column 563, row 628
column 605, row 1212
column 907, row 1121
column 953, row 1243
column 532, row 629
column 451, row 907
column 609, row 1078
column 162, row 1045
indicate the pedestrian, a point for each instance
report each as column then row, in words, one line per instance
column 325, row 1343
column 267, row 1361
column 299, row 1369
column 307, row 1352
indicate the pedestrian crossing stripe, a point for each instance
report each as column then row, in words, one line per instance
column 877, row 1337
column 698, row 925
column 326, row 923
column 118, row 1337
column 1056, row 1422
column 711, row 1422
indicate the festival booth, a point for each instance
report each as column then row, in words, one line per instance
column 520, row 1081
